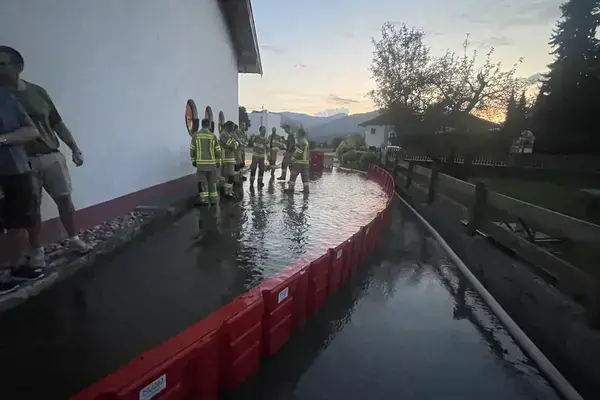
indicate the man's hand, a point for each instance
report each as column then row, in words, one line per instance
column 77, row 158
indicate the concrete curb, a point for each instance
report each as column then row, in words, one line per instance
column 100, row 252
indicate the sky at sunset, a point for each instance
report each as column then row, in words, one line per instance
column 316, row 53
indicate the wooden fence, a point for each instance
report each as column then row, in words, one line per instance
column 485, row 212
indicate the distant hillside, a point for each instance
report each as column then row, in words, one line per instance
column 307, row 121
column 340, row 127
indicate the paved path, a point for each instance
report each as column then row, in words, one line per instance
column 407, row 326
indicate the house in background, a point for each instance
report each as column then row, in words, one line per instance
column 377, row 131
column 267, row 119
column 131, row 80
column 392, row 124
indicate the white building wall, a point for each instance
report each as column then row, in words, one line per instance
column 266, row 119
column 120, row 73
column 375, row 135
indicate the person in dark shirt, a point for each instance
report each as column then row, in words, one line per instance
column 18, row 203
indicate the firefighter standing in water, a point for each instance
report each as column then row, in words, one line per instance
column 259, row 147
column 228, row 148
column 290, row 147
column 205, row 154
column 274, row 145
column 300, row 162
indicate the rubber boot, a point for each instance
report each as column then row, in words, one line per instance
column 305, row 189
column 282, row 177
column 260, row 183
column 290, row 187
column 201, row 200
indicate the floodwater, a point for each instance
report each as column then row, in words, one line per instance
column 405, row 326
column 82, row 329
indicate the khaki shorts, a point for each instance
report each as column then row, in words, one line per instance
column 50, row 172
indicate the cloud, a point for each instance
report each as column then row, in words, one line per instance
column 494, row 41
column 300, row 65
column 510, row 14
column 272, row 49
column 340, row 100
column 349, row 35
column 332, row 111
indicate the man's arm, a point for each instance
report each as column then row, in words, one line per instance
column 25, row 134
column 193, row 150
column 59, row 126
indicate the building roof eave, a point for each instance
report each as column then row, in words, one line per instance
column 240, row 21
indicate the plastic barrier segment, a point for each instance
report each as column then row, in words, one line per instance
column 285, row 298
column 318, row 274
column 241, row 339
column 338, row 263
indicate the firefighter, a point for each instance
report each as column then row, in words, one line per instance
column 290, row 147
column 274, row 145
column 205, row 154
column 300, row 162
column 228, row 148
column 244, row 139
column 259, row 147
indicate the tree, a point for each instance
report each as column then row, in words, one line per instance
column 243, row 117
column 401, row 68
column 464, row 86
column 335, row 142
column 407, row 76
column 566, row 108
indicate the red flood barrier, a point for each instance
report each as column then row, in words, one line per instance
column 317, row 161
column 318, row 274
column 226, row 348
column 285, row 298
column 338, row 265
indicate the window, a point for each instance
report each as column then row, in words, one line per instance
column 221, row 121
column 373, row 130
column 191, row 117
column 208, row 114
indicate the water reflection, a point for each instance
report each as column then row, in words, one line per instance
column 396, row 327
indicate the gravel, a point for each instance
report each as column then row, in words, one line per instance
column 57, row 253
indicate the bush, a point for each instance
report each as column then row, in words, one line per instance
column 351, row 156
column 368, row 158
column 354, row 142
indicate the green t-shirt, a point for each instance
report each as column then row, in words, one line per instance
column 41, row 109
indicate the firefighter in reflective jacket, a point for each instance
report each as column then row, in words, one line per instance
column 205, row 154
column 290, row 148
column 259, row 147
column 299, row 161
column 274, row 146
column 228, row 148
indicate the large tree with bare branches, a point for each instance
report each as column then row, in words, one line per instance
column 407, row 75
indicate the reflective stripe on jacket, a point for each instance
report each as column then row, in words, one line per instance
column 204, row 148
column 228, row 147
column 302, row 152
column 260, row 146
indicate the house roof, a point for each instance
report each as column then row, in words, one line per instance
column 240, row 21
column 460, row 121
column 391, row 117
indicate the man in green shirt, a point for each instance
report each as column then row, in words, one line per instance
column 48, row 164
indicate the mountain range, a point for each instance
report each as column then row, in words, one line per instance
column 322, row 129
